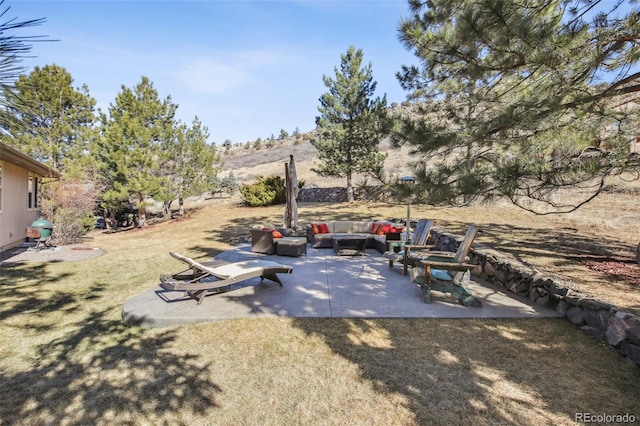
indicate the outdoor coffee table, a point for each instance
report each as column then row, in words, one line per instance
column 349, row 244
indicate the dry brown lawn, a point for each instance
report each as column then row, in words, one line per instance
column 67, row 358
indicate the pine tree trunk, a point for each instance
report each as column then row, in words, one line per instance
column 110, row 218
column 349, row 189
column 142, row 214
column 181, row 206
column 166, row 209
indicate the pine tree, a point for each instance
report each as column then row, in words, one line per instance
column 129, row 151
column 351, row 124
column 55, row 120
column 510, row 99
column 229, row 184
column 13, row 48
column 189, row 164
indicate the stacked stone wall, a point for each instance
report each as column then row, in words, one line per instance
column 606, row 322
column 319, row 195
column 337, row 194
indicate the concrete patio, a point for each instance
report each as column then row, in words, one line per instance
column 322, row 285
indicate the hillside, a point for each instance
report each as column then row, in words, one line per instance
column 246, row 164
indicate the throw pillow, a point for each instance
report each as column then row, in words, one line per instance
column 385, row 228
column 276, row 234
column 375, row 228
column 323, row 228
column 314, row 228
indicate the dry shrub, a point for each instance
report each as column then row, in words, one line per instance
column 69, row 204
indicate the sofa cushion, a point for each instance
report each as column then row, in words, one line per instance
column 380, row 238
column 323, row 228
column 342, row 227
column 361, row 227
column 441, row 275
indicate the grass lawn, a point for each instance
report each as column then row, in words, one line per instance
column 66, row 357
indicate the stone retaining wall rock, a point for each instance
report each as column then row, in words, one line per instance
column 332, row 195
column 318, row 195
column 610, row 324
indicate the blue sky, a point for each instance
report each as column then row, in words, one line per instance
column 246, row 68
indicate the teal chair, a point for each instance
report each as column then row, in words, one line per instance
column 444, row 271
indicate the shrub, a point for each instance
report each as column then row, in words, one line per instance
column 69, row 204
column 264, row 192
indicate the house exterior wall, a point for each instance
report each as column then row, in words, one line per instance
column 15, row 215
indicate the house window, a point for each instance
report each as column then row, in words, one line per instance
column 36, row 192
column 33, row 192
column 30, row 193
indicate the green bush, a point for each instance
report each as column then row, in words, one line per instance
column 264, row 192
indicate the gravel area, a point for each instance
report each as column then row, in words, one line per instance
column 68, row 253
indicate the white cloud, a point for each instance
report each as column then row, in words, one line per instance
column 222, row 74
column 208, row 75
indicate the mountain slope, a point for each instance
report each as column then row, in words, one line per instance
column 246, row 164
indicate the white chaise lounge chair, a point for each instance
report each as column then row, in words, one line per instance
column 200, row 280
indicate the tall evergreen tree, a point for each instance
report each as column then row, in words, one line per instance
column 520, row 99
column 351, row 124
column 54, row 121
column 229, row 183
column 129, row 151
column 190, row 163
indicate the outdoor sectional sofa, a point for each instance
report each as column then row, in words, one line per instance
column 378, row 232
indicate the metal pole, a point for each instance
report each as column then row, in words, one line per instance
column 408, row 180
column 408, row 227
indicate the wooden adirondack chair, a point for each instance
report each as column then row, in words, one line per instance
column 444, row 271
column 418, row 241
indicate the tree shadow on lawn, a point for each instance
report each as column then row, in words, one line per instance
column 236, row 231
column 583, row 259
column 561, row 244
column 87, row 365
column 20, row 293
column 484, row 371
column 106, row 370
